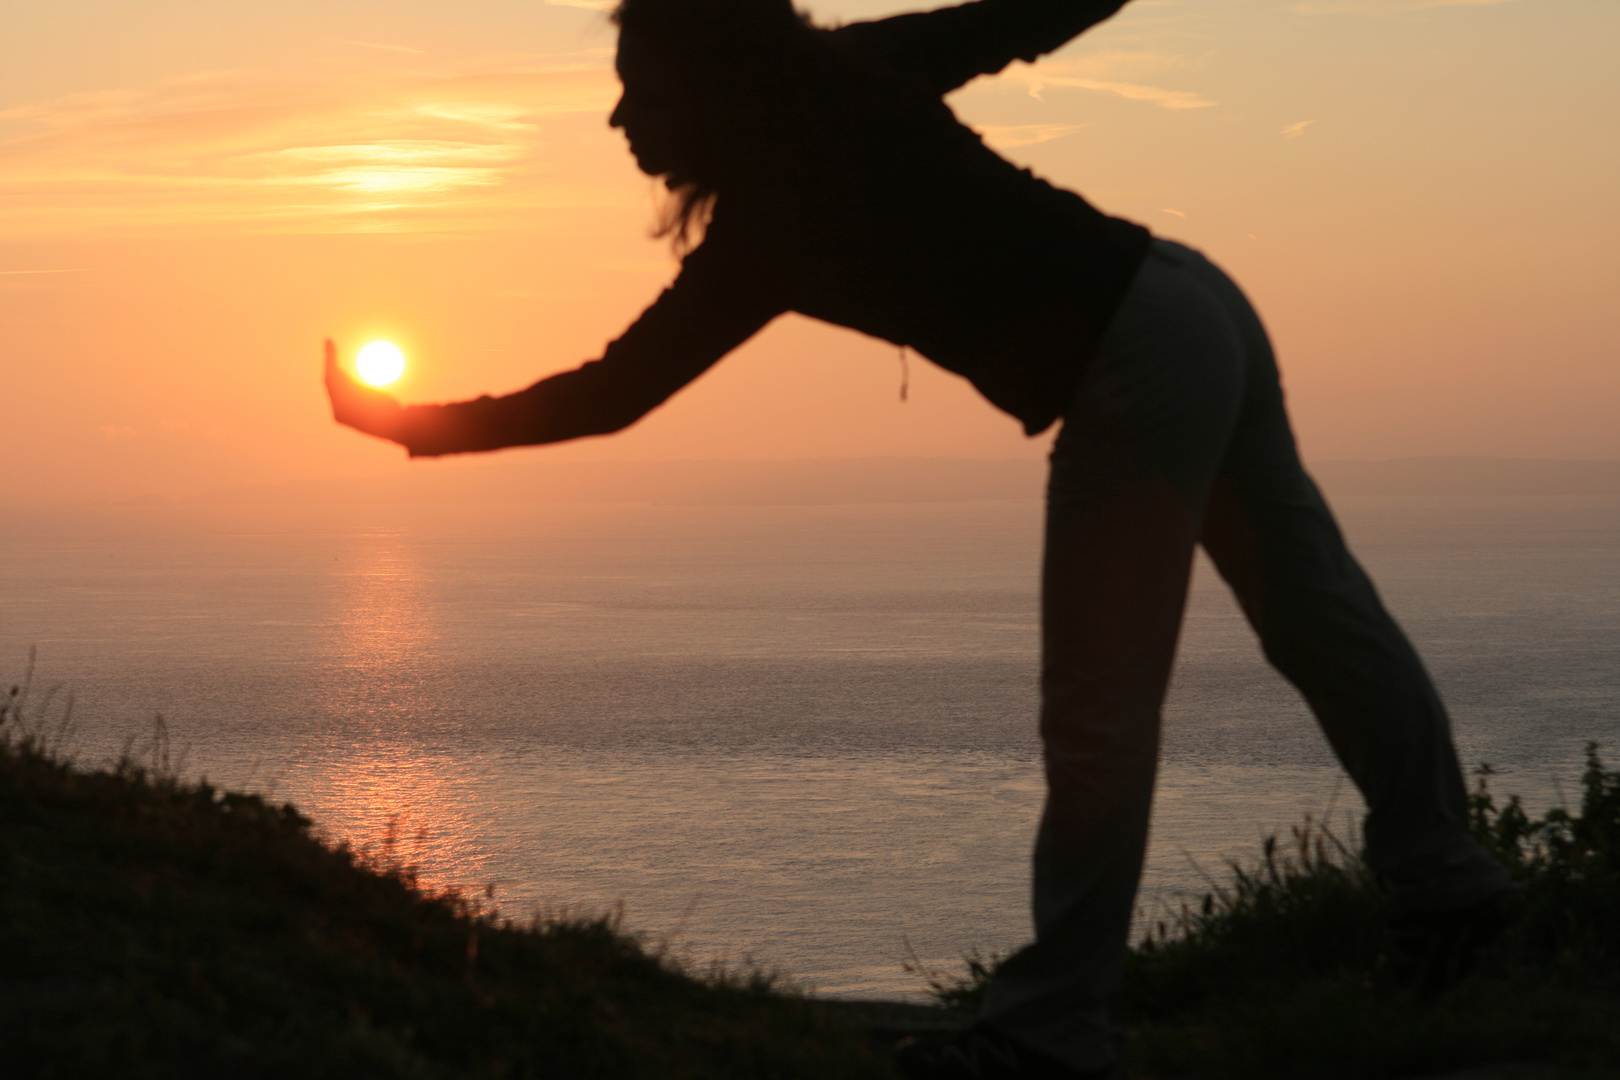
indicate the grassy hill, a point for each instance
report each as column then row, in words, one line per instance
column 1296, row 967
column 154, row 927
column 150, row 927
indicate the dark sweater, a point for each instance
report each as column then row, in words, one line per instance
column 932, row 241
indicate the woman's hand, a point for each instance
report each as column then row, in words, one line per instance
column 359, row 406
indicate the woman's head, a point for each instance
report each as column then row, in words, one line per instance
column 658, row 112
column 709, row 92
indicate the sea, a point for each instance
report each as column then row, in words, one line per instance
column 799, row 737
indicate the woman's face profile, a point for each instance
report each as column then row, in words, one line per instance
column 652, row 111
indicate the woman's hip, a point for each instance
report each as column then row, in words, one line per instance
column 1167, row 382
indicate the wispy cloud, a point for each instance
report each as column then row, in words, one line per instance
column 326, row 149
column 385, row 48
column 1007, row 136
column 1294, row 131
column 12, row 281
column 1153, row 95
column 1333, row 7
column 1118, row 73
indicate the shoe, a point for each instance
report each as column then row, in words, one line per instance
column 1432, row 951
column 983, row 1053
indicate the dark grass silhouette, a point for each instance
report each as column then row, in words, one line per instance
column 154, row 927
column 1290, row 966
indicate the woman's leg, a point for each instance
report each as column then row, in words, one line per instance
column 1179, row 435
column 1130, row 474
column 1322, row 625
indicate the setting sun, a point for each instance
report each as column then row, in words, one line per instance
column 380, row 363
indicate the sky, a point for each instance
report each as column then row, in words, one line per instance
column 1418, row 195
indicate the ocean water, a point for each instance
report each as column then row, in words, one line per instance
column 798, row 736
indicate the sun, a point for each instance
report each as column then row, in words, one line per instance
column 380, row 363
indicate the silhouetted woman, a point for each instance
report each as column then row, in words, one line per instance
column 827, row 177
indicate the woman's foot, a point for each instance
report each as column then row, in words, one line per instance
column 983, row 1053
column 1430, row 952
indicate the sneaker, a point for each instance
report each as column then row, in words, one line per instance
column 983, row 1053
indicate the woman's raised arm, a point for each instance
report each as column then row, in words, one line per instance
column 692, row 325
column 947, row 47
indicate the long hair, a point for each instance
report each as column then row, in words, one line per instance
column 755, row 72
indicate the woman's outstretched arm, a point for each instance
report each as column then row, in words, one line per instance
column 949, row 46
column 691, row 326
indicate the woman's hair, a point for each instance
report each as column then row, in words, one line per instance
column 754, row 72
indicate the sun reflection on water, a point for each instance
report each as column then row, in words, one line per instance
column 370, row 776
column 381, row 626
column 402, row 806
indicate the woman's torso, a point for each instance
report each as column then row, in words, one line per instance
column 900, row 223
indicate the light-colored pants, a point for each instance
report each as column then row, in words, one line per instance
column 1178, row 437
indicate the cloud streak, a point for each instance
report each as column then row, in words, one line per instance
column 386, row 47
column 319, row 150
column 1376, row 7
column 1117, row 73
column 1009, row 136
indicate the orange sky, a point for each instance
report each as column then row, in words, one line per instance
column 1418, row 194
